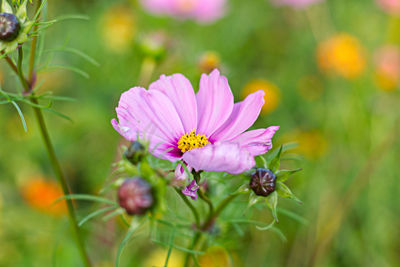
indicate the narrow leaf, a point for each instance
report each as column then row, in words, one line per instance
column 133, row 227
column 283, row 175
column 86, row 197
column 94, row 214
column 272, row 202
column 275, row 162
column 20, row 115
column 285, row 192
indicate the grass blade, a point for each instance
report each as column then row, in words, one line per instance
column 94, row 214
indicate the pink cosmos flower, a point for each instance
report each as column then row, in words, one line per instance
column 203, row 11
column 294, row 3
column 390, row 6
column 205, row 130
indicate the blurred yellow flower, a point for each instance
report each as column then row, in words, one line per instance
column 158, row 256
column 118, row 28
column 272, row 93
column 41, row 194
column 209, row 61
column 342, row 54
column 310, row 87
column 387, row 68
column 215, row 257
column 311, row 143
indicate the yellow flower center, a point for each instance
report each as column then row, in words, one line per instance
column 192, row 140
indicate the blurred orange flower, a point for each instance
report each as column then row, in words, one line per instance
column 387, row 67
column 342, row 54
column 272, row 93
column 41, row 194
column 209, row 61
column 118, row 28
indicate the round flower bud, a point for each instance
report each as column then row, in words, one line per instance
column 263, row 182
column 9, row 27
column 135, row 195
column 135, row 152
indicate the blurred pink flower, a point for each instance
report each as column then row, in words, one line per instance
column 390, row 6
column 387, row 67
column 204, row 130
column 294, row 3
column 203, row 11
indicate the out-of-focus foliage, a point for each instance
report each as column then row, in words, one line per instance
column 334, row 98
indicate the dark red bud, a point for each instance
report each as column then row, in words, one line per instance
column 9, row 27
column 263, row 182
column 135, row 195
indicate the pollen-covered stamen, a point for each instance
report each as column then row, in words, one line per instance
column 192, row 140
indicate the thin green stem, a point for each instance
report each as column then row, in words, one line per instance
column 27, row 85
column 20, row 71
column 61, row 178
column 190, row 206
column 208, row 201
column 224, row 203
column 202, row 195
column 11, row 63
column 196, row 239
column 34, row 44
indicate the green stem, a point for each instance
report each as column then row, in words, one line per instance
column 190, row 206
column 197, row 178
column 208, row 201
column 20, row 71
column 224, row 203
column 27, row 84
column 196, row 239
column 59, row 174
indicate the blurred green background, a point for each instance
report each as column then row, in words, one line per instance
column 325, row 87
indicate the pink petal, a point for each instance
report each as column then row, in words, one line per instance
column 219, row 157
column 244, row 114
column 256, row 142
column 214, row 102
column 179, row 90
column 180, row 172
column 191, row 190
column 150, row 116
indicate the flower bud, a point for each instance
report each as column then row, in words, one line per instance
column 135, row 152
column 9, row 27
column 263, row 182
column 135, row 195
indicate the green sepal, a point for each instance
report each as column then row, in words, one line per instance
column 285, row 192
column 253, row 199
column 5, row 7
column 243, row 189
column 276, row 161
column 283, row 175
column 21, row 12
column 261, row 162
column 272, row 202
